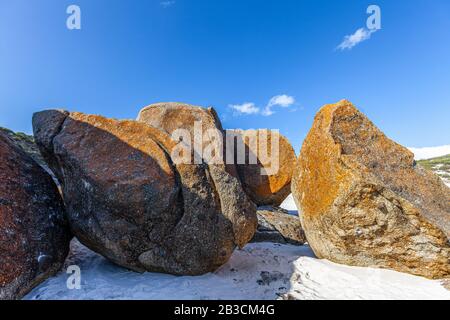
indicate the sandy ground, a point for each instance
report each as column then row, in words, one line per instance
column 261, row 271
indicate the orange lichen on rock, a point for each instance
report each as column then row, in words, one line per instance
column 268, row 181
column 202, row 124
column 129, row 201
column 363, row 200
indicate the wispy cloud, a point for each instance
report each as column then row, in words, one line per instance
column 250, row 108
column 283, row 101
column 354, row 39
column 167, row 4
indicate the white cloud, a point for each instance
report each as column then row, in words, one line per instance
column 166, row 4
column 245, row 108
column 267, row 112
column 352, row 40
column 283, row 101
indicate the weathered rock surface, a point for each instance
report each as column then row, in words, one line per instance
column 278, row 226
column 27, row 144
column 277, row 161
column 271, row 189
column 363, row 201
column 446, row 284
column 172, row 117
column 34, row 234
column 127, row 200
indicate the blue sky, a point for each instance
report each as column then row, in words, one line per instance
column 226, row 53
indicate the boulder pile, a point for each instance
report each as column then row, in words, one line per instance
column 267, row 181
column 160, row 194
column 129, row 201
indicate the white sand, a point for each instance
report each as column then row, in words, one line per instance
column 260, row 271
column 289, row 204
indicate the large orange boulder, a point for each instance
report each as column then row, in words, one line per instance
column 267, row 181
column 34, row 234
column 172, row 116
column 364, row 201
column 129, row 201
